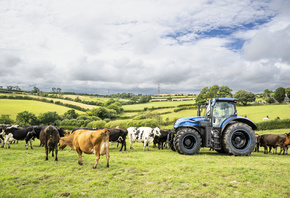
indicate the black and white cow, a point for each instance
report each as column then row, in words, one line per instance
column 18, row 133
column 142, row 134
column 118, row 135
column 162, row 139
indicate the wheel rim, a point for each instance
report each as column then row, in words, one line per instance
column 240, row 140
column 189, row 142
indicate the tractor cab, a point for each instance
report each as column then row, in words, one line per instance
column 219, row 110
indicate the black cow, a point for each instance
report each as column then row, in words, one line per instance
column 118, row 135
column 38, row 129
column 273, row 141
column 18, row 133
column 49, row 136
column 162, row 139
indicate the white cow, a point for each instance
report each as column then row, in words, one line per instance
column 142, row 134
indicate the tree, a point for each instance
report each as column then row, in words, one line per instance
column 213, row 92
column 48, row 117
column 5, row 119
column 279, row 94
column 35, row 90
column 26, row 118
column 144, row 99
column 71, row 114
column 244, row 97
column 266, row 93
column 225, row 91
column 134, row 98
column 53, row 90
column 102, row 113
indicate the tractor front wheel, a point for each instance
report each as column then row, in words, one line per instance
column 239, row 139
column 187, row 141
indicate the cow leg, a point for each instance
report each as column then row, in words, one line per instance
column 7, row 140
column 265, row 149
column 26, row 145
column 131, row 147
column 125, row 145
column 79, row 151
column 56, row 150
column 46, row 152
column 97, row 160
column 275, row 150
column 121, row 146
column 107, row 157
column 31, row 143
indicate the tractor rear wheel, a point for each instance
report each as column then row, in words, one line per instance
column 239, row 139
column 187, row 141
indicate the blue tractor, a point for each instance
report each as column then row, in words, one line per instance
column 220, row 128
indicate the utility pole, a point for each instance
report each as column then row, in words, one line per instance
column 158, row 88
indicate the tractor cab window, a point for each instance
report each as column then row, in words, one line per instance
column 222, row 111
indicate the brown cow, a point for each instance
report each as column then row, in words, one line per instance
column 66, row 141
column 258, row 138
column 273, row 141
column 287, row 142
column 49, row 137
column 92, row 141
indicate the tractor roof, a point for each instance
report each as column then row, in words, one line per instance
column 214, row 100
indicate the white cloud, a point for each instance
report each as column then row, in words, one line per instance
column 134, row 45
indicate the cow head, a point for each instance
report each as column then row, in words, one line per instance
column 156, row 132
column 287, row 142
column 62, row 144
column 30, row 135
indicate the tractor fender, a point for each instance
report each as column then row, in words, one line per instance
column 192, row 127
column 235, row 119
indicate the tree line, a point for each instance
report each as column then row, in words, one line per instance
column 107, row 113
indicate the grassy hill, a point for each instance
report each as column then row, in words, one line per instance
column 13, row 107
column 166, row 109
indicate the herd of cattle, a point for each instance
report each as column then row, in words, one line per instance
column 96, row 141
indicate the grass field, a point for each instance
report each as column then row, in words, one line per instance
column 156, row 104
column 137, row 173
column 13, row 107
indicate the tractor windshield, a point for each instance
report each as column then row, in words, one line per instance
column 222, row 111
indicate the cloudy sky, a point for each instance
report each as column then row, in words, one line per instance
column 113, row 46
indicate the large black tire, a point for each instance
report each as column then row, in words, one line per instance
column 171, row 144
column 187, row 141
column 239, row 139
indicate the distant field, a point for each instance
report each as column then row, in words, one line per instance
column 157, row 104
column 257, row 113
column 13, row 107
column 92, row 98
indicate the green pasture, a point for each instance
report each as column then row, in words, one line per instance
column 92, row 98
column 157, row 104
column 257, row 113
column 137, row 173
column 13, row 107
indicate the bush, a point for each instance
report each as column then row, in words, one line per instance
column 97, row 124
column 118, row 123
column 274, row 124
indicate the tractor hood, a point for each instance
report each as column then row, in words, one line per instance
column 188, row 121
